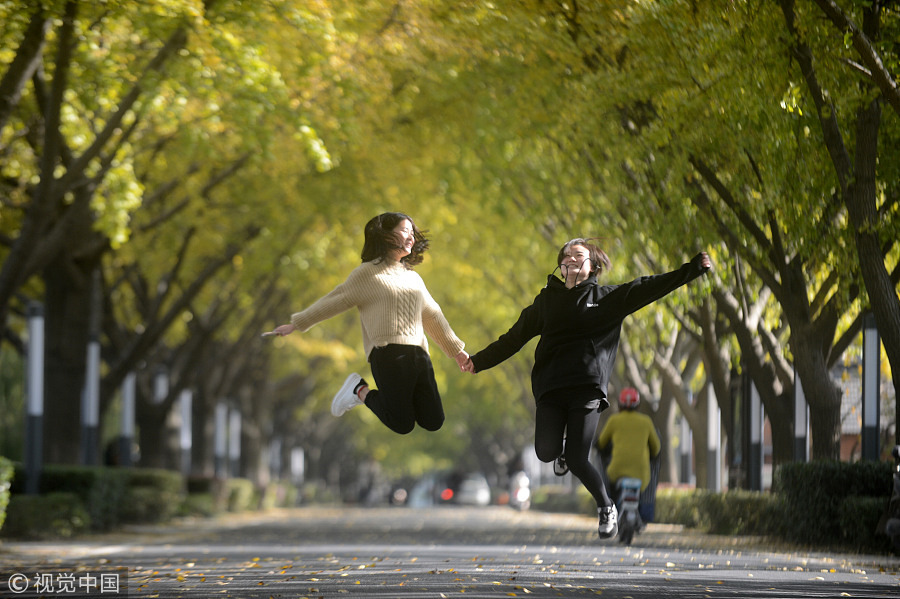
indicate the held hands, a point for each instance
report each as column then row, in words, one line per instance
column 465, row 362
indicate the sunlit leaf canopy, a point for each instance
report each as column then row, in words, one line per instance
column 503, row 129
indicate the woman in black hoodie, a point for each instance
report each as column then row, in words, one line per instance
column 579, row 323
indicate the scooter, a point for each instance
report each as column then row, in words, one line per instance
column 628, row 504
column 520, row 491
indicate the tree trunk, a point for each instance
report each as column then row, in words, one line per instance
column 664, row 420
column 860, row 199
column 781, row 419
column 823, row 396
column 68, row 297
column 701, row 438
column 153, row 441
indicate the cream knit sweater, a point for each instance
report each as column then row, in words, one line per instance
column 394, row 307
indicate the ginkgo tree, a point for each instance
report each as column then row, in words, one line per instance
column 140, row 107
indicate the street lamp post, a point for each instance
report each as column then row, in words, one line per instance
column 754, row 419
column 128, row 417
column 220, row 440
column 713, row 441
column 186, row 437
column 871, row 385
column 90, row 393
column 90, row 405
column 34, row 385
column 801, row 422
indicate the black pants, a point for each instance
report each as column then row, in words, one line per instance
column 568, row 413
column 407, row 393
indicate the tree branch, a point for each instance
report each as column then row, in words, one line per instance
column 826, row 112
column 25, row 63
column 876, row 70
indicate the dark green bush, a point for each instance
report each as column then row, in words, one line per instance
column 152, row 495
column 147, row 505
column 202, row 505
column 679, row 506
column 6, row 474
column 738, row 512
column 218, row 490
column 100, row 489
column 735, row 512
column 554, row 498
column 113, row 496
column 167, row 480
column 203, row 484
column 818, row 505
column 48, row 516
column 812, row 496
column 241, row 495
column 859, row 522
column 316, row 492
column 278, row 494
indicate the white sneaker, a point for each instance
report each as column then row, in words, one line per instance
column 346, row 399
column 609, row 522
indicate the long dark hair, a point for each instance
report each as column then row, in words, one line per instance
column 599, row 259
column 381, row 239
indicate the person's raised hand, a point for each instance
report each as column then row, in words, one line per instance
column 705, row 261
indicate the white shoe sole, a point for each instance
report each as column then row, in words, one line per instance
column 608, row 535
column 615, row 527
column 345, row 400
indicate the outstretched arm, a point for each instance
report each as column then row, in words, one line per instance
column 526, row 328
column 631, row 297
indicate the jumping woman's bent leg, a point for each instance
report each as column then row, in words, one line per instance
column 429, row 411
column 395, row 372
column 549, row 426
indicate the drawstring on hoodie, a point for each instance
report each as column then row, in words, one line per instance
column 565, row 274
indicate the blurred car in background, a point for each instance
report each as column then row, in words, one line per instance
column 450, row 488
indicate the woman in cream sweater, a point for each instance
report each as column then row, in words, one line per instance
column 396, row 312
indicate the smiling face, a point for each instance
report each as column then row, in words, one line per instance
column 405, row 239
column 394, row 236
column 575, row 264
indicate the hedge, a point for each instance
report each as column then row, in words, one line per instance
column 816, row 504
column 49, row 516
column 735, row 512
column 152, row 495
column 109, row 496
column 6, row 474
column 816, row 499
column 74, row 499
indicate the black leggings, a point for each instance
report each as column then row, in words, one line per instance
column 562, row 414
column 407, row 393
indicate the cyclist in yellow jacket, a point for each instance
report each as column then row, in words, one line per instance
column 634, row 440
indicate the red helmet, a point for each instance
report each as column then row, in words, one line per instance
column 629, row 398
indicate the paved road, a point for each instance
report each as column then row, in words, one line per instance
column 443, row 552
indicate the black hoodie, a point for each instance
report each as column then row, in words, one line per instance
column 580, row 328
